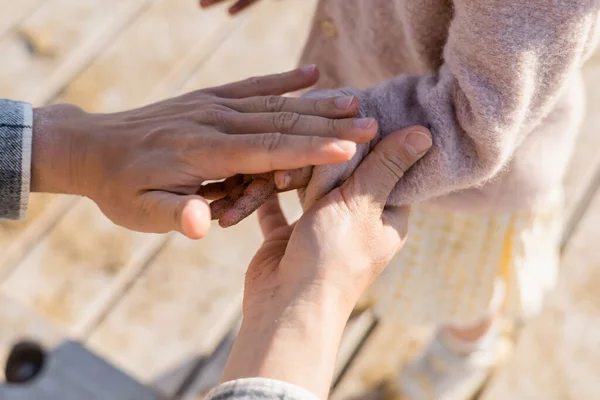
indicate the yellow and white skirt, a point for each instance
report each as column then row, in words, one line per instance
column 453, row 262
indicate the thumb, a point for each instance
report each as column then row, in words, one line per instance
column 189, row 215
column 377, row 175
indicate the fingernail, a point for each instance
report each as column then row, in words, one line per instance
column 364, row 123
column 343, row 102
column 417, row 143
column 309, row 69
column 345, row 146
column 282, row 180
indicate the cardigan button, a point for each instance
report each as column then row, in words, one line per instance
column 328, row 28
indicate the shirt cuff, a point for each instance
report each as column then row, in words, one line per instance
column 16, row 119
column 259, row 388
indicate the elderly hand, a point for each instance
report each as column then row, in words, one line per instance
column 305, row 279
column 144, row 167
column 237, row 6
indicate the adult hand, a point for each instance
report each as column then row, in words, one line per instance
column 144, row 167
column 305, row 279
column 237, row 6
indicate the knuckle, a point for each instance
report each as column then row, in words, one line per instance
column 213, row 115
column 350, row 202
column 271, row 142
column 314, row 143
column 254, row 81
column 393, row 163
column 332, row 126
column 285, row 121
column 318, row 106
column 274, row 103
column 195, row 96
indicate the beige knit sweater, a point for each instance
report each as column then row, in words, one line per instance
column 496, row 81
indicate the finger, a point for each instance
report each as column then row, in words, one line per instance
column 218, row 190
column 208, row 3
column 253, row 154
column 240, row 5
column 276, row 84
column 359, row 130
column 333, row 107
column 270, row 216
column 293, row 179
column 221, row 206
column 218, row 207
column 254, row 196
column 377, row 175
column 189, row 215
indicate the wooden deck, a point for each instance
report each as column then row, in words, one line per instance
column 164, row 309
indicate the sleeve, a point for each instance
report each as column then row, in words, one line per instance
column 16, row 120
column 259, row 388
column 505, row 65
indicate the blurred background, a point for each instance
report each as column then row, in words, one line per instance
column 156, row 304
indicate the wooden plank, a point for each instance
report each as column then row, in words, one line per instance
column 14, row 12
column 383, row 353
column 148, row 56
column 269, row 41
column 110, row 297
column 73, row 264
column 60, row 39
column 210, row 375
column 18, row 237
column 389, row 346
column 357, row 330
column 558, row 353
column 183, row 296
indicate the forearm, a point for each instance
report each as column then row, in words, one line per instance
column 294, row 340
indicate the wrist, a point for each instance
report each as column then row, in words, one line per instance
column 292, row 336
column 58, row 147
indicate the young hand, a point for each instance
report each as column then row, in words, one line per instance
column 144, row 167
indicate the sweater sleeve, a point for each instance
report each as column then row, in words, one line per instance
column 505, row 63
column 15, row 158
column 261, row 389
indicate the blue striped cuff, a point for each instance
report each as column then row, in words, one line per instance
column 16, row 119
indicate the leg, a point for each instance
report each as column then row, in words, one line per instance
column 457, row 362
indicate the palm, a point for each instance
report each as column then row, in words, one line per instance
column 263, row 272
